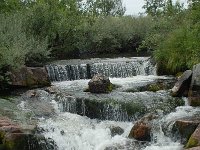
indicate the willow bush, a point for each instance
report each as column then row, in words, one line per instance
column 16, row 48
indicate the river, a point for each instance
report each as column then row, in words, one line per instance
column 84, row 121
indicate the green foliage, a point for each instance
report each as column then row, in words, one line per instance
column 15, row 46
column 112, row 34
column 180, row 48
column 105, row 8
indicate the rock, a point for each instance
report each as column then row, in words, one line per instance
column 182, row 86
column 194, row 140
column 38, row 101
column 194, row 101
column 116, row 131
column 142, row 128
column 16, row 137
column 186, row 127
column 30, row 77
column 194, row 148
column 195, row 84
column 100, row 84
column 52, row 90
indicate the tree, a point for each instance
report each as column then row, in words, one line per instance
column 154, row 7
column 165, row 8
column 105, row 7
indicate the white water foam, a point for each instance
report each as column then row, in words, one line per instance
column 74, row 132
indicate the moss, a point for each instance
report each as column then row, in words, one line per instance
column 179, row 74
column 154, row 87
column 192, row 143
column 110, row 87
column 133, row 109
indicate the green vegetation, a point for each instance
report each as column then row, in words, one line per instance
column 31, row 32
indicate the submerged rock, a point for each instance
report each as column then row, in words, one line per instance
column 38, row 101
column 30, row 77
column 100, row 84
column 181, row 87
column 194, row 140
column 116, row 131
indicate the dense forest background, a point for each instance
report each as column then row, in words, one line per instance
column 34, row 32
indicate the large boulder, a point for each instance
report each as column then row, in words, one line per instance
column 194, row 140
column 30, row 77
column 194, row 93
column 100, row 84
column 142, row 128
column 185, row 127
column 195, row 84
column 15, row 137
column 182, row 86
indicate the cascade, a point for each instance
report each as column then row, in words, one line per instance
column 86, row 121
column 119, row 68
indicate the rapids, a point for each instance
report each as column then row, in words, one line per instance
column 84, row 121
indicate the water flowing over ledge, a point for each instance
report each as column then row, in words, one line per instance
column 85, row 69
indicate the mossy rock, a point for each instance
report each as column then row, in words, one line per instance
column 192, row 143
column 155, row 87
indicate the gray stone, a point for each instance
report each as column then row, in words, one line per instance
column 182, row 86
column 195, row 84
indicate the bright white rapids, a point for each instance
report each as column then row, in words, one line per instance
column 74, row 132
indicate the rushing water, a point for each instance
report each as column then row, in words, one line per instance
column 85, row 121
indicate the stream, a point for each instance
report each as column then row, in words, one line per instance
column 86, row 121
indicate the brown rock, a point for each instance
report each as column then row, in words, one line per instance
column 194, row 101
column 186, row 127
column 182, row 86
column 141, row 132
column 141, row 129
column 30, row 77
column 194, row 140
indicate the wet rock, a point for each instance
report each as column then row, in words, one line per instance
column 30, row 77
column 194, row 101
column 116, row 131
column 16, row 137
column 38, row 101
column 160, row 84
column 182, row 86
column 142, row 128
column 100, row 84
column 52, row 90
column 185, row 127
column 194, row 140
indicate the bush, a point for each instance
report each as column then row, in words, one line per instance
column 16, row 48
column 112, row 34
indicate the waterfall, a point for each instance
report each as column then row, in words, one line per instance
column 119, row 68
